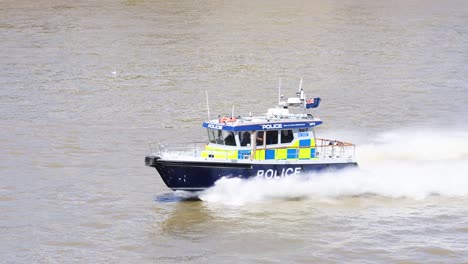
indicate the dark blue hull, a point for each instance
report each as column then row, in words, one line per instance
column 196, row 176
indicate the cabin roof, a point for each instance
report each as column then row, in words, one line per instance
column 261, row 123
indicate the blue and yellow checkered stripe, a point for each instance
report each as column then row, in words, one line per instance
column 300, row 149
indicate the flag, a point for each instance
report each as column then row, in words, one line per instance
column 313, row 103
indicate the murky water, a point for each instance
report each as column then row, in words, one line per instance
column 85, row 85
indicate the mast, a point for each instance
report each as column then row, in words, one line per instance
column 207, row 105
column 279, row 92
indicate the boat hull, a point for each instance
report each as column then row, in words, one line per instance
column 199, row 175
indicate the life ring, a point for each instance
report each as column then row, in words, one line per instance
column 227, row 119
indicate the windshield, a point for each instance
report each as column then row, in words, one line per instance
column 221, row 137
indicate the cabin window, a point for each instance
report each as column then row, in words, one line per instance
column 287, row 136
column 211, row 136
column 229, row 139
column 244, row 138
column 259, row 138
column 272, row 137
column 221, row 137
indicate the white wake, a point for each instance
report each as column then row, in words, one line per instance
column 397, row 164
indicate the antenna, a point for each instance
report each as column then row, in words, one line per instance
column 279, row 92
column 232, row 112
column 207, row 105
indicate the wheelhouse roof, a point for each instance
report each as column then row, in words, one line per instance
column 242, row 124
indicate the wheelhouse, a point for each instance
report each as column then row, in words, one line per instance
column 246, row 139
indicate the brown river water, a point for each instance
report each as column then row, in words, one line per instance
column 85, row 85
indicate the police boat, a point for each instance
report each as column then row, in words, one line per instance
column 280, row 143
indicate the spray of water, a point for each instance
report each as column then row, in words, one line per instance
column 396, row 164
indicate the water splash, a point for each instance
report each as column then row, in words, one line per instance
column 414, row 145
column 396, row 164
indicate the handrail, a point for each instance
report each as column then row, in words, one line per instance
column 326, row 149
column 159, row 149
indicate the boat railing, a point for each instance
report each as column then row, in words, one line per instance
column 334, row 149
column 191, row 149
column 325, row 149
